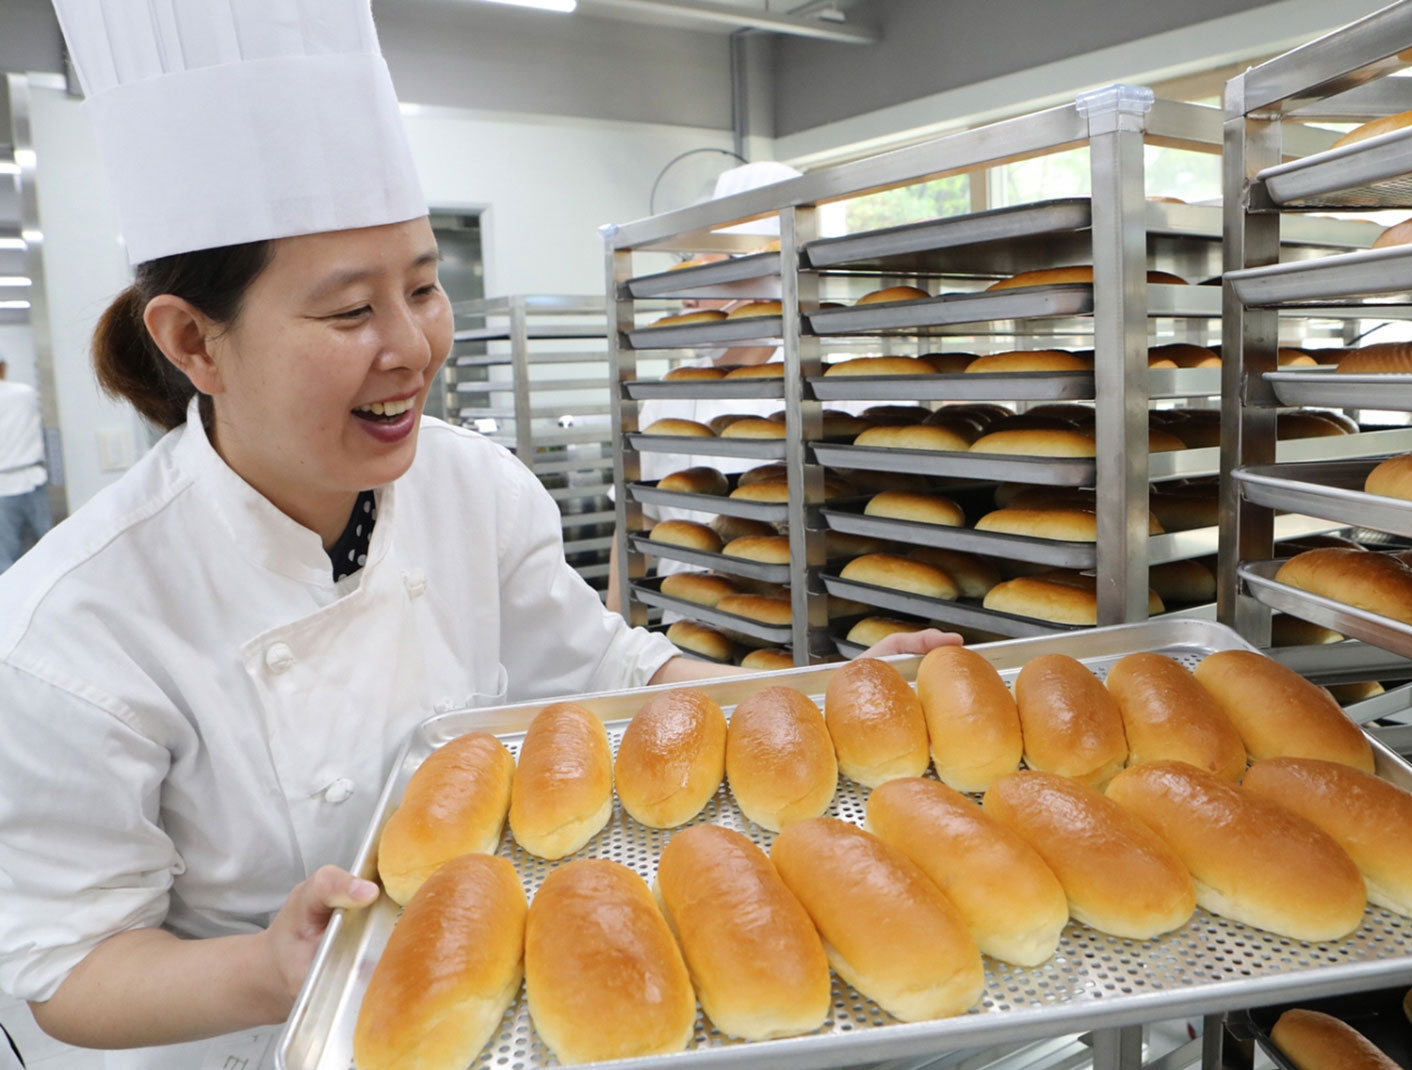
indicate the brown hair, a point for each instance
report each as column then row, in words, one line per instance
column 129, row 363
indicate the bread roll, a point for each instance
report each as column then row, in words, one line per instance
column 770, row 549
column 1347, row 694
column 1366, row 815
column 679, row 428
column 602, row 972
column 454, row 804
column 700, row 587
column 1252, row 861
column 1072, row 413
column 773, row 491
column 1392, row 478
column 700, row 480
column 1163, row 442
column 1292, row 631
column 1288, row 357
column 1072, row 725
column 765, row 473
column 1311, row 1040
column 1175, row 511
column 770, row 659
column 1026, row 422
column 880, row 366
column 1385, row 125
column 701, row 315
column 915, row 437
column 896, row 415
column 1055, row 597
column 876, row 722
column 754, row 956
column 1038, row 443
column 1168, row 715
column 779, row 758
column 1198, row 434
column 840, row 545
column 1376, row 582
column 754, row 427
column 773, row 369
column 694, row 374
column 451, row 967
column 947, row 363
column 968, row 427
column 717, row 424
column 1065, row 525
column 918, row 508
column 871, row 631
column 839, row 424
column 1037, row 360
column 1008, row 897
column 1077, row 273
column 1400, row 234
column 759, row 607
column 671, row 758
column 987, row 412
column 900, row 574
column 886, row 928
column 893, row 293
column 973, row 575
column 756, row 308
column 730, row 528
column 1380, row 357
column 1290, row 425
column 562, row 795
column 699, row 639
column 1187, row 581
column 972, row 721
column 1184, row 355
column 1118, row 875
column 686, row 533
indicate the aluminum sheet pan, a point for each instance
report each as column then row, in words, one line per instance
column 1194, row 463
column 761, row 449
column 1057, row 471
column 700, row 335
column 958, row 613
column 1329, row 489
column 1013, row 547
column 1094, row 982
column 734, row 566
column 769, row 512
column 690, row 282
column 1349, row 662
column 1259, row 577
column 647, row 592
column 1377, row 1015
column 1327, row 387
column 1184, row 382
column 1021, row 386
column 1366, row 174
column 1071, row 299
column 691, row 389
column 1202, row 542
column 1367, row 272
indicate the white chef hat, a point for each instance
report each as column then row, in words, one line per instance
column 229, row 121
column 748, row 177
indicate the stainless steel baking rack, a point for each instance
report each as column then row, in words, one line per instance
column 723, row 389
column 761, row 449
column 649, row 591
column 1059, row 471
column 731, row 279
column 1332, row 389
column 1019, row 386
column 735, row 566
column 1392, row 635
column 715, row 504
column 1329, row 489
column 1324, row 283
column 701, row 335
column 960, row 613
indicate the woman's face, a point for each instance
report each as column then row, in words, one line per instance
column 326, row 369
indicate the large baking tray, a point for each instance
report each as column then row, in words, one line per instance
column 693, row 389
column 1206, row 461
column 1348, row 662
column 761, row 449
column 1058, row 471
column 1367, row 174
column 1327, row 280
column 1393, row 635
column 1020, row 386
column 1320, row 386
column 697, row 335
column 720, row 505
column 648, row 591
column 1377, row 1015
column 1093, row 982
column 1329, row 489
column 734, row 566
column 962, row 614
column 724, row 278
column 1069, row 299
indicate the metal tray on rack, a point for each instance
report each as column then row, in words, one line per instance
column 1019, row 386
column 1014, row 547
column 1377, row 1015
column 1183, row 382
column 1329, row 489
column 1367, row 174
column 693, row 389
column 649, row 593
column 1069, row 299
column 1093, row 982
column 691, row 281
column 1327, row 387
column 1058, row 471
column 1202, row 542
column 761, row 449
column 734, row 566
column 698, row 335
column 769, row 512
column 1328, row 279
column 959, row 613
column 1348, row 662
column 1206, row 460
column 1259, row 577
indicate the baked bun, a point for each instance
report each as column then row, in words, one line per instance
column 730, row 528
column 986, row 412
column 886, row 928
column 893, row 293
column 1183, row 355
column 679, row 428
column 700, row 587
column 1163, row 441
column 913, row 437
column 701, row 315
column 779, row 758
column 1077, row 273
column 773, row 369
column 1311, row 1040
column 947, row 363
column 1392, row 478
column 717, row 424
column 1072, row 726
column 1049, row 443
column 700, row 480
column 767, row 659
column 1118, row 875
column 973, row 575
column 1188, row 581
column 1028, row 360
column 1385, row 125
column 671, row 758
column 1008, row 897
column 1289, row 357
column 1278, row 713
column 562, row 795
column 754, row 427
column 839, row 545
column 687, row 533
column 838, row 424
column 1294, row 631
column 764, row 608
column 1393, row 357
column 1168, row 715
column 699, row 639
column 880, row 366
column 771, row 491
column 451, row 968
column 1197, row 431
column 757, row 308
column 770, row 549
column 754, row 955
column 694, row 374
column 1379, row 583
column 1071, row 412
column 918, row 508
column 1399, row 234
column 1065, row 525
column 1182, row 511
column 1366, row 815
column 870, row 631
column 765, row 473
column 896, row 415
column 900, row 574
column 972, row 722
column 1058, row 596
column 1307, row 425
column 1252, row 861
column 1027, row 422
column 602, row 972
column 1347, row 694
column 454, row 804
column 876, row 722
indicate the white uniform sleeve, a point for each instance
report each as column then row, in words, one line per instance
column 81, row 854
column 557, row 638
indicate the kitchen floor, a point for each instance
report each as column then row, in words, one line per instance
column 42, row 1052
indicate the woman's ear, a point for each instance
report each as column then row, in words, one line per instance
column 184, row 334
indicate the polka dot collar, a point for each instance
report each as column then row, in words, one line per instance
column 350, row 552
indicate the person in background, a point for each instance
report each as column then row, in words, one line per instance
column 24, row 495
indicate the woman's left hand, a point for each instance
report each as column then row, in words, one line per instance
column 912, row 643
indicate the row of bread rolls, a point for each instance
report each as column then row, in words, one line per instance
column 1380, row 583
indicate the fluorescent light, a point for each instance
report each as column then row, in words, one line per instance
column 14, row 280
column 14, row 304
column 9, row 168
column 564, row 6
column 12, row 243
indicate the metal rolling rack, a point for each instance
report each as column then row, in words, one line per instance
column 1335, row 77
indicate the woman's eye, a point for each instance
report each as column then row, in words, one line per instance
column 425, row 291
column 352, row 313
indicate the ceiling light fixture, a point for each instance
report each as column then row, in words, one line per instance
column 564, row 6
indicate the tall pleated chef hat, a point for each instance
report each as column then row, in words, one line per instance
column 229, row 121
column 748, row 177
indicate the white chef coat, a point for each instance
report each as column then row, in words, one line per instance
column 197, row 716
column 21, row 440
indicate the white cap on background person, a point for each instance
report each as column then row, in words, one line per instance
column 226, row 122
column 753, row 176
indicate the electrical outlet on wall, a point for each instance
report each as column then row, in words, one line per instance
column 115, row 449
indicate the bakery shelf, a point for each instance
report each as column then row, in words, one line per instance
column 718, row 504
column 1071, row 299
column 1020, row 386
column 1203, row 542
column 1329, row 388
column 691, row 389
column 584, row 520
column 1329, row 489
column 487, row 360
column 1367, row 174
column 1059, row 471
column 762, row 449
column 724, row 278
column 1393, row 703
column 1349, row 662
column 587, row 490
column 1206, row 461
column 959, row 613
column 1393, row 635
column 1329, row 280
column 650, row 593
column 545, row 464
column 734, row 566
column 1169, row 383
column 699, row 335
column 1011, row 547
column 571, row 436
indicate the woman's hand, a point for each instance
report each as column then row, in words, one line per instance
column 294, row 934
column 912, row 643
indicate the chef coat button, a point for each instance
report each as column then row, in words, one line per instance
column 279, row 658
column 416, row 583
column 339, row 790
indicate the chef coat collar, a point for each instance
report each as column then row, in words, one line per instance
column 258, row 529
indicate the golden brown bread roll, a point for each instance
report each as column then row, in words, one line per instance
column 1392, row 478
column 841, row 544
column 767, row 659
column 1065, row 525
column 1399, row 234
column 1071, row 412
column 764, row 608
column 1290, row 425
column 1076, row 273
column 679, row 428
column 947, row 363
column 1347, row 694
column 671, row 758
column 699, row 639
column 773, row 369
column 1198, row 433
column 1289, row 357
column 1183, row 355
column 1252, row 861
column 1168, row 715
column 1378, row 358
column 973, row 575
column 887, row 929
column 968, row 427
column 918, row 508
column 602, row 971
column 893, row 293
column 1278, row 713
column 880, row 366
column 693, row 374
column 700, row 587
column 764, row 473
column 451, row 967
column 987, row 412
column 1312, row 1040
column 754, row 427
column 771, row 549
column 1118, row 875
column 1366, row 815
column 756, row 308
column 701, row 315
column 766, row 491
column 900, row 574
column 1028, row 360
column 1293, row 631
column 686, row 533
column 1379, row 583
column 876, row 723
column 730, row 528
column 1385, row 125
column 454, row 804
column 1071, row 724
column 870, row 631
column 1008, row 897
column 972, row 722
column 1188, row 581
column 699, row 480
column 562, row 795
column 779, row 758
column 913, row 437
column 717, row 424
column 1027, row 422
column 1178, row 511
column 839, row 424
column 754, row 956
column 1163, row 441
column 1054, row 596
column 1038, row 443
column 896, row 415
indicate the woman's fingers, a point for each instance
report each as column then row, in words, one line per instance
column 912, row 643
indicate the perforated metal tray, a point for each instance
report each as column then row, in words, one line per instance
column 1259, row 577
column 1093, row 982
column 1058, row 471
column 1325, row 386
column 691, row 389
column 1021, row 386
column 734, row 566
column 648, row 592
column 764, row 449
column 1330, row 489
column 719, row 504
